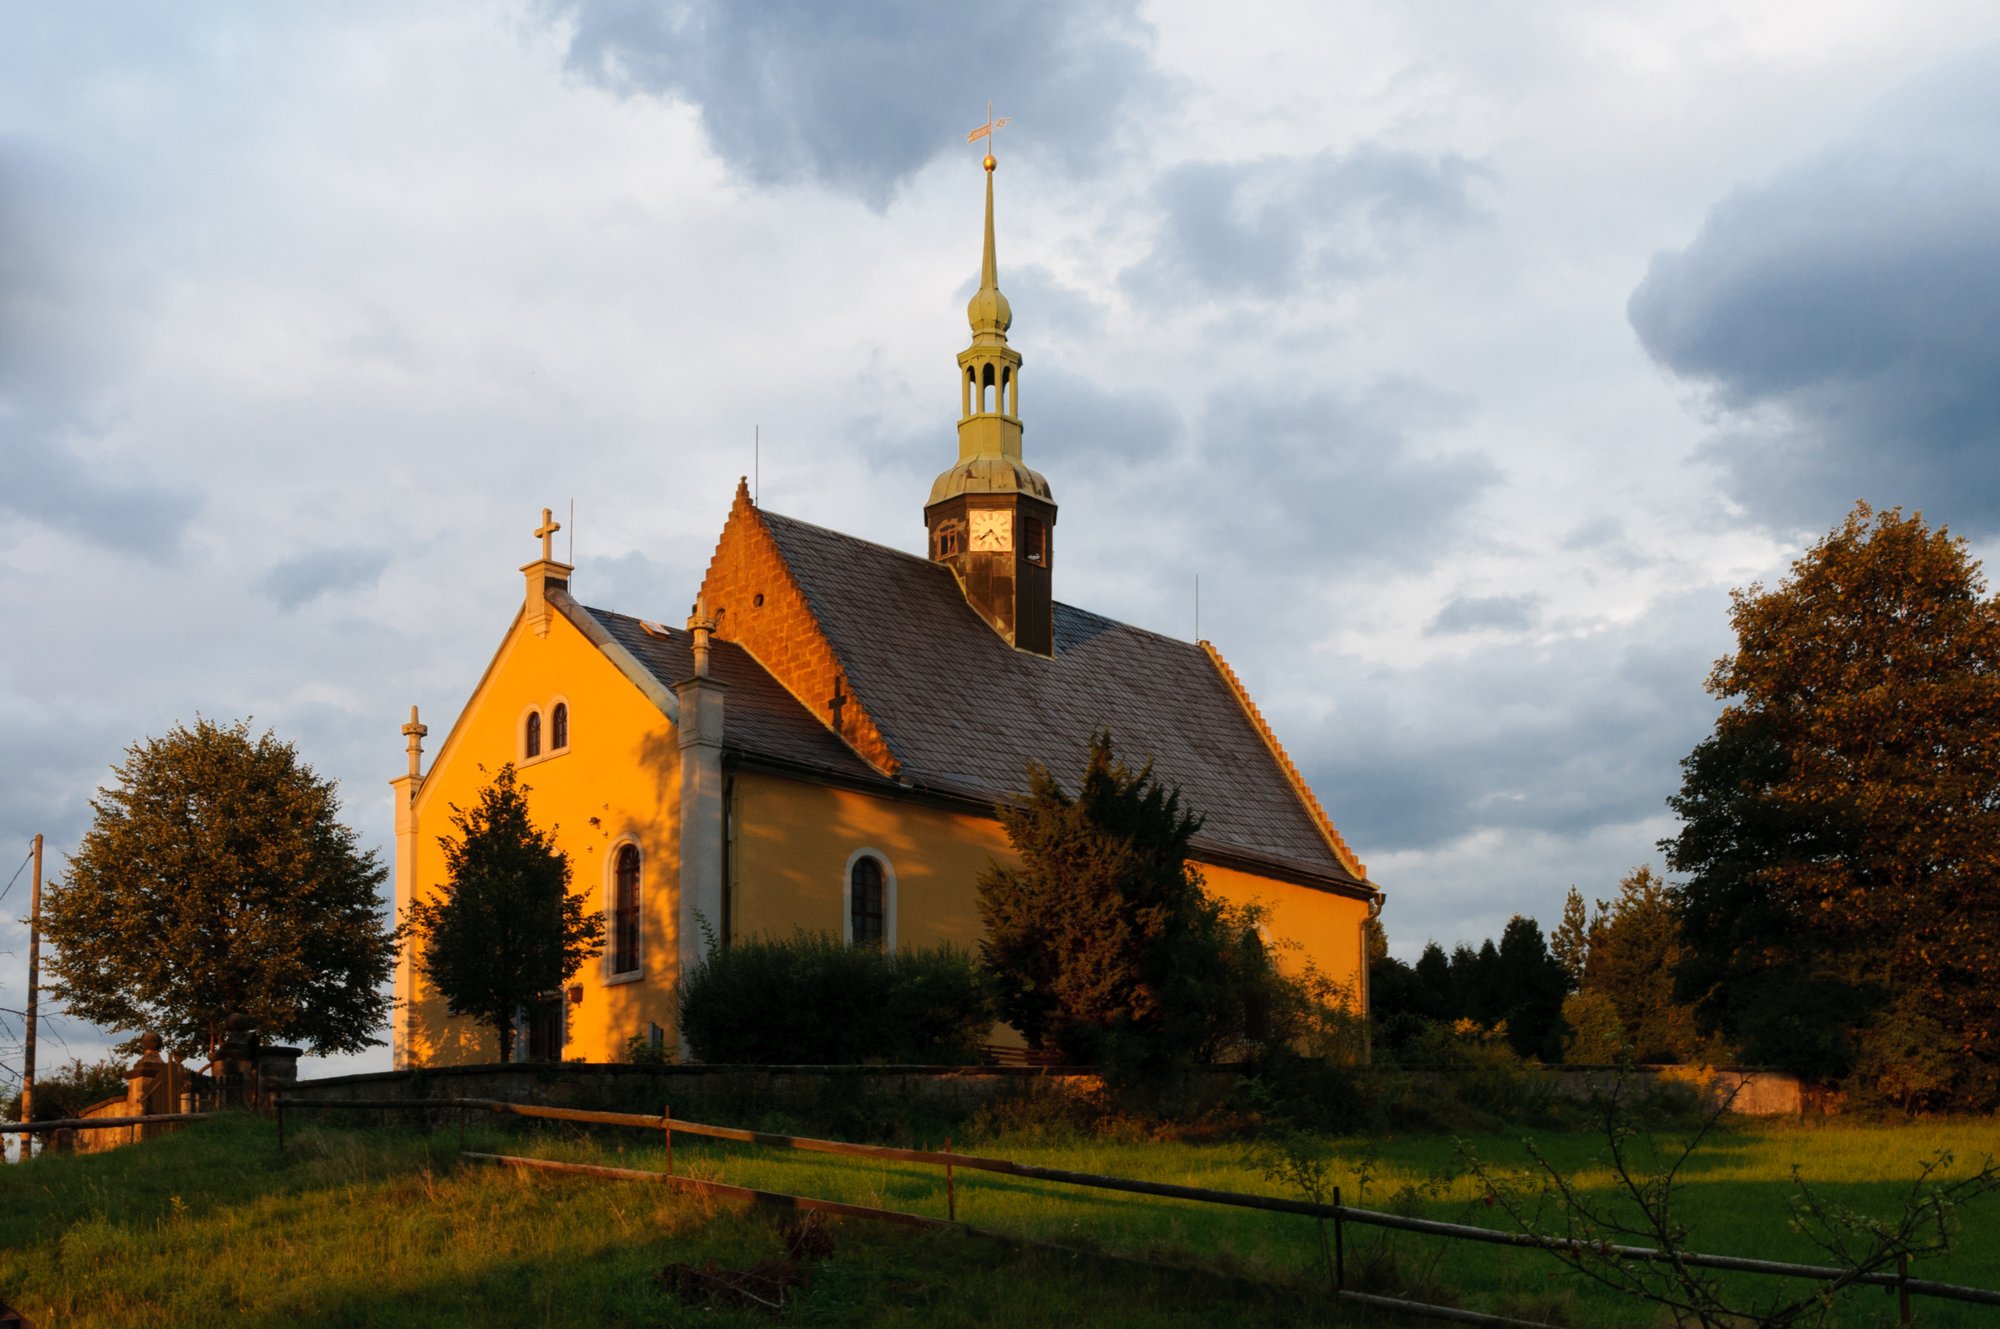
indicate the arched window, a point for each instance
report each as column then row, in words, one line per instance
column 867, row 902
column 625, row 911
column 531, row 740
column 559, row 727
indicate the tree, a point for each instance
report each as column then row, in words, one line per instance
column 1532, row 985
column 1634, row 947
column 504, row 931
column 217, row 877
column 1841, row 827
column 1570, row 943
column 1102, row 942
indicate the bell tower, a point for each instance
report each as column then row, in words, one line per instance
column 990, row 518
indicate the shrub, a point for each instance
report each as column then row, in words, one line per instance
column 68, row 1091
column 810, row 1000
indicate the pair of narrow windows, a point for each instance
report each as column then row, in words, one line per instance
column 531, row 736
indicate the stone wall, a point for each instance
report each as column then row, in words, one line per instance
column 733, row 1094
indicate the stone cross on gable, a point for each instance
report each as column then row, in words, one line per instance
column 547, row 531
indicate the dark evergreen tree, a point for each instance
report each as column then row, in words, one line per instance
column 504, row 931
column 1438, row 995
column 1532, row 986
column 217, row 877
column 1102, row 942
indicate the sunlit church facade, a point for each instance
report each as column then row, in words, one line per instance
column 824, row 743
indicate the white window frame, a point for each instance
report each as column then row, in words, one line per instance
column 888, row 896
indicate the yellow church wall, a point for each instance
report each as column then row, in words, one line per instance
column 793, row 842
column 1305, row 926
column 618, row 780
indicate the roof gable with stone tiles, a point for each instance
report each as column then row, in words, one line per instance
column 958, row 711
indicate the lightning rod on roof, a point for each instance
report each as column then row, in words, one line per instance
column 1197, row 606
column 756, row 462
column 570, row 558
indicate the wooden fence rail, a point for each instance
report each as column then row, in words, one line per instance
column 98, row 1123
column 1336, row 1212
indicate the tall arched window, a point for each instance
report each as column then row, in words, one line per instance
column 559, row 727
column 625, row 912
column 867, row 901
column 531, row 739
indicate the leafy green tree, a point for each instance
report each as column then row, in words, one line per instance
column 69, row 1090
column 1102, row 942
column 504, row 930
column 1841, row 827
column 1594, row 1034
column 217, row 877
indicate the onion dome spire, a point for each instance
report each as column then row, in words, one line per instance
column 988, row 312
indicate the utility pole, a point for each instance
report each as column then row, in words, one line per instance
column 34, row 984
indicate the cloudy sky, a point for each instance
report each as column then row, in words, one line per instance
column 1469, row 355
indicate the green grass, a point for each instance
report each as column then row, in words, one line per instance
column 388, row 1227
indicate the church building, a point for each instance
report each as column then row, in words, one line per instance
column 824, row 743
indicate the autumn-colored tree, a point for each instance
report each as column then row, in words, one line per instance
column 1570, row 943
column 505, row 931
column 1633, row 950
column 218, row 877
column 1841, row 827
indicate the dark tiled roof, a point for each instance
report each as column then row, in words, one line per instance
column 758, row 714
column 965, row 713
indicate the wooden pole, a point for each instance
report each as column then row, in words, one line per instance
column 950, row 1192
column 667, row 1129
column 1339, row 1247
column 34, row 985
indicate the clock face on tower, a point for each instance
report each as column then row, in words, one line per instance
column 992, row 530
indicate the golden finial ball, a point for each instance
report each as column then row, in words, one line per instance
column 990, row 163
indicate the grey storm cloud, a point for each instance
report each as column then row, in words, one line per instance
column 303, row 578
column 1335, row 480
column 47, row 482
column 59, row 335
column 1260, row 228
column 1558, row 737
column 1485, row 613
column 1845, row 313
column 850, row 95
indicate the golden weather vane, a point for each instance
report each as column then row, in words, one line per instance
column 987, row 130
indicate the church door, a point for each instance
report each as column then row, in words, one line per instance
column 545, row 1030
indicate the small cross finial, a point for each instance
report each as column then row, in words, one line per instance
column 547, row 531
column 986, row 131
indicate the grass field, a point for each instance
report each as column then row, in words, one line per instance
column 388, row 1227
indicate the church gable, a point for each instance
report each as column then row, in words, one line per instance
column 761, row 606
column 965, row 713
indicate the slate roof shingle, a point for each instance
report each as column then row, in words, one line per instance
column 964, row 712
